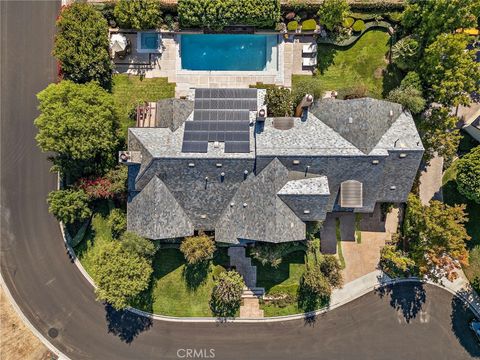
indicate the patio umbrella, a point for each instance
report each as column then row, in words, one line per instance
column 118, row 43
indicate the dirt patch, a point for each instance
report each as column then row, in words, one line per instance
column 378, row 73
column 16, row 340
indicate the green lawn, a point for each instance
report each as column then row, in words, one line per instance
column 284, row 279
column 362, row 64
column 129, row 91
column 175, row 291
column 452, row 196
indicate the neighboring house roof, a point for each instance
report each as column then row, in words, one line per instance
column 172, row 113
column 257, row 213
column 155, row 213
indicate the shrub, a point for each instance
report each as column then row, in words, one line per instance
column 271, row 254
column 405, row 53
column 216, row 14
column 117, row 220
column 292, row 25
column 395, row 262
column 138, row 14
column 279, row 102
column 69, row 206
column 81, row 45
column 359, row 26
column 120, row 275
column 468, row 175
column 197, row 249
column 331, row 269
column 313, row 229
column 135, row 244
column 309, row 25
column 227, row 294
column 412, row 79
column 332, row 13
column 409, row 97
column 348, row 22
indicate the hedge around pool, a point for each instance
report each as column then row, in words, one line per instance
column 309, row 25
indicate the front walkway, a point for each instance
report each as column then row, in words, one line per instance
column 431, row 181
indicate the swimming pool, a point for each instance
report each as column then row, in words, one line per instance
column 223, row 52
column 148, row 42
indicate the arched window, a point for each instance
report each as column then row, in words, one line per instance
column 351, row 194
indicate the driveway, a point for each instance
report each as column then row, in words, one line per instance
column 61, row 304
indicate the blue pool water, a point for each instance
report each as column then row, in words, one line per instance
column 226, row 52
column 149, row 41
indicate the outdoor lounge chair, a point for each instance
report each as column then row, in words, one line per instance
column 310, row 48
column 309, row 62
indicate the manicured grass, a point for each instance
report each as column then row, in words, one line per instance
column 174, row 290
column 452, row 196
column 129, row 91
column 283, row 280
column 361, row 64
column 98, row 234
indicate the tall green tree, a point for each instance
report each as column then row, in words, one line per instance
column 437, row 237
column 69, row 205
column 439, row 134
column 78, row 123
column 405, row 53
column 138, row 14
column 120, row 275
column 227, row 294
column 468, row 175
column 450, row 72
column 332, row 13
column 81, row 45
column 429, row 18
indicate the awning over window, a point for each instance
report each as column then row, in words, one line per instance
column 351, row 194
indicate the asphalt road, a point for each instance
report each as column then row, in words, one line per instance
column 408, row 323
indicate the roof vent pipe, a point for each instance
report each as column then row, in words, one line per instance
column 350, row 120
column 391, row 113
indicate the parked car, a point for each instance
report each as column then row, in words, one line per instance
column 475, row 326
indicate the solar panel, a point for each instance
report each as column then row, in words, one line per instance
column 220, row 115
column 237, row 147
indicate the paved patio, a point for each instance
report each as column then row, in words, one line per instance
column 168, row 65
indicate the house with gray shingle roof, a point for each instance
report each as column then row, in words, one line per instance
column 218, row 164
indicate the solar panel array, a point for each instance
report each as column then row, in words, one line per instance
column 220, row 115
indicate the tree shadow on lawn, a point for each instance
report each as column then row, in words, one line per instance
column 461, row 317
column 326, row 57
column 195, row 275
column 126, row 324
column 392, row 77
column 408, row 298
column 268, row 277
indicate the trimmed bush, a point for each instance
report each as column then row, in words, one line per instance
column 117, row 220
column 69, row 206
column 292, row 25
column 138, row 14
column 348, row 22
column 309, row 25
column 197, row 249
column 216, row 14
column 359, row 26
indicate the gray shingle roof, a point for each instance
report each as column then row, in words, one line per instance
column 257, row 213
column 360, row 121
column 155, row 213
column 171, row 113
column 309, row 186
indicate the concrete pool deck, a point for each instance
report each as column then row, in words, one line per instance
column 168, row 65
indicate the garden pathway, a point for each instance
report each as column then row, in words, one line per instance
column 431, row 181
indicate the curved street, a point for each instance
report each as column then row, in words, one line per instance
column 403, row 322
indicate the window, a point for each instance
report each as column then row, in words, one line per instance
column 351, row 194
